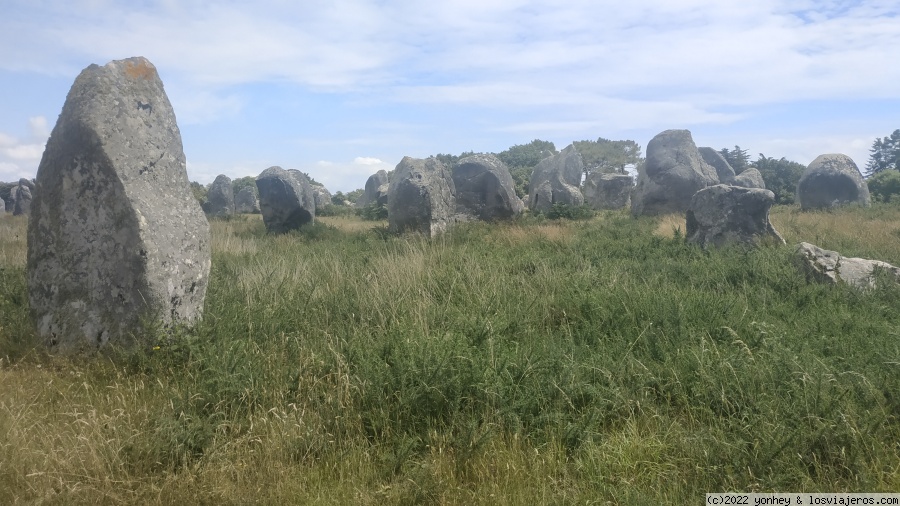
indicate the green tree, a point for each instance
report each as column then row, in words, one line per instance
column 885, row 186
column 606, row 156
column 737, row 158
column 447, row 159
column 781, row 177
column 355, row 194
column 884, row 155
column 243, row 182
column 199, row 191
column 527, row 155
column 521, row 160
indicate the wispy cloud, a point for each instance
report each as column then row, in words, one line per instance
column 19, row 157
column 576, row 69
column 367, row 160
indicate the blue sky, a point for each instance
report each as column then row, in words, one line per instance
column 343, row 88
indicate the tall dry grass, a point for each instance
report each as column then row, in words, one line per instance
column 533, row 362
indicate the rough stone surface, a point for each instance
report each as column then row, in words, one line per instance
column 3, row 205
column 608, row 191
column 722, row 214
column 826, row 266
column 671, row 174
column 246, row 201
column 376, row 190
column 421, row 197
column 11, row 202
column 321, row 195
column 724, row 171
column 221, row 197
column 750, row 178
column 485, row 189
column 285, row 199
column 557, row 180
column 832, row 180
column 116, row 239
column 24, row 196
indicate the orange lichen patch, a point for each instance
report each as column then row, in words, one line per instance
column 142, row 69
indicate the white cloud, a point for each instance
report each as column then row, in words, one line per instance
column 197, row 106
column 39, row 129
column 530, row 67
column 20, row 157
column 25, row 152
column 7, row 140
column 10, row 172
column 346, row 176
column 472, row 51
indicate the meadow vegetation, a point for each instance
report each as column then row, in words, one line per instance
column 593, row 361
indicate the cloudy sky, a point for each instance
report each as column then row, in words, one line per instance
column 342, row 88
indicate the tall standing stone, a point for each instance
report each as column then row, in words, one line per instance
column 116, row 239
column 485, row 189
column 24, row 197
column 557, row 180
column 321, row 196
column 608, row 191
column 246, row 201
column 672, row 173
column 832, row 180
column 421, row 197
column 376, row 190
column 221, row 197
column 724, row 171
column 11, row 202
column 285, row 199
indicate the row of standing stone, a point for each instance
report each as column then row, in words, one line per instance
column 119, row 249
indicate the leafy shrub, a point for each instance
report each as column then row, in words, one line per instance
column 885, row 186
column 373, row 212
column 334, row 210
column 568, row 212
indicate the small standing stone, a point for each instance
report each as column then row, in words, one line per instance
column 723, row 214
column 246, row 201
column 832, row 180
column 285, row 200
column 750, row 178
column 421, row 197
column 485, row 189
column 557, row 180
column 608, row 191
column 376, row 190
column 221, row 197
column 24, row 196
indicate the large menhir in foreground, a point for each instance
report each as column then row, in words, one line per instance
column 116, row 240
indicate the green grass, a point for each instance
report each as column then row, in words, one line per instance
column 537, row 362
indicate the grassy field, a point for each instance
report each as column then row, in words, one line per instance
column 539, row 362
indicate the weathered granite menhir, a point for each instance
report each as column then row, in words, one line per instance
column 286, row 199
column 221, row 197
column 116, row 241
column 421, row 197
